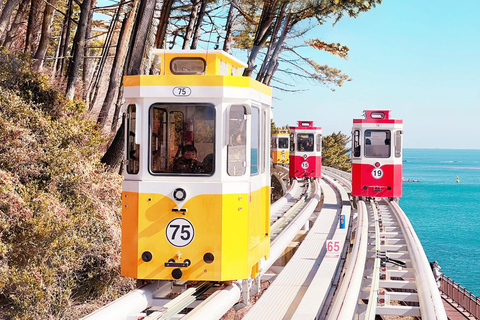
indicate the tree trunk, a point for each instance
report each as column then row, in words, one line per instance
column 143, row 23
column 44, row 36
column 261, row 35
column 228, row 29
column 31, row 26
column 74, row 68
column 271, row 46
column 87, row 65
column 114, row 156
column 163, row 23
column 273, row 64
column 5, row 17
column 19, row 20
column 118, row 63
column 191, row 24
column 149, row 56
column 65, row 35
column 95, row 85
column 118, row 108
column 198, row 25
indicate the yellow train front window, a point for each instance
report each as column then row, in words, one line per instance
column 283, row 143
column 182, row 139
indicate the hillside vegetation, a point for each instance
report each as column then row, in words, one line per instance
column 59, row 206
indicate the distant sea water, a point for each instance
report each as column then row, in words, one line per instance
column 446, row 214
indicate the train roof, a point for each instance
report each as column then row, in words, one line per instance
column 377, row 116
column 305, row 125
column 191, row 69
column 209, row 62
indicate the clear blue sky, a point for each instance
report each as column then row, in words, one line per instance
column 416, row 58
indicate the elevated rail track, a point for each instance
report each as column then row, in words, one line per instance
column 375, row 266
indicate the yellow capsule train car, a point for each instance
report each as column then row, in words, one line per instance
column 280, row 147
column 196, row 190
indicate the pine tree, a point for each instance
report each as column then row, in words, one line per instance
column 335, row 151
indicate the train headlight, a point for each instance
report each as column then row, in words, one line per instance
column 208, row 257
column 377, row 164
column 147, row 256
column 179, row 194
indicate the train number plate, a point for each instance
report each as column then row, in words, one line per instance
column 182, row 91
column 377, row 173
column 180, row 232
column 305, row 165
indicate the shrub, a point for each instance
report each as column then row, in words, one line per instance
column 59, row 206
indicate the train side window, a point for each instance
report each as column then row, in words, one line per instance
column 158, row 140
column 133, row 149
column 263, row 139
column 398, row 144
column 274, row 142
column 377, row 143
column 356, row 143
column 305, row 142
column 182, row 139
column 255, row 146
column 319, row 142
column 236, row 148
column 292, row 142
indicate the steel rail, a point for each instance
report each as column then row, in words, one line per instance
column 431, row 304
column 372, row 299
column 347, row 296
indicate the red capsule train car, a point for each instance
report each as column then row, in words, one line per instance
column 305, row 151
column 377, row 155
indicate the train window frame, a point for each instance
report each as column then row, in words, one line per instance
column 319, row 142
column 300, row 145
column 264, row 139
column 132, row 147
column 378, row 115
column 255, row 138
column 356, row 144
column 237, row 140
column 398, row 143
column 179, row 60
column 378, row 152
column 183, row 119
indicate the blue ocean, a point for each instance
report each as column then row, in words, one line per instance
column 445, row 213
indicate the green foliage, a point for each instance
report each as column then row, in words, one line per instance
column 335, row 151
column 59, row 207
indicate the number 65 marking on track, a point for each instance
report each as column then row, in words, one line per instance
column 333, row 246
column 180, row 232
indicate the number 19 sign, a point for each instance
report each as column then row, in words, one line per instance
column 180, row 232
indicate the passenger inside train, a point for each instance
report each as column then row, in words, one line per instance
column 188, row 163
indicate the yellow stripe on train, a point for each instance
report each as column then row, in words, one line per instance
column 192, row 81
column 222, row 226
